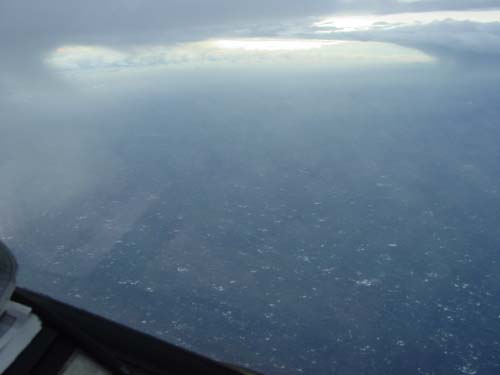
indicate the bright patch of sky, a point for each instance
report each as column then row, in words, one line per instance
column 372, row 21
column 234, row 52
column 273, row 44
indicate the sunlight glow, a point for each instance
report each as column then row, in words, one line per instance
column 273, row 44
column 367, row 22
column 237, row 53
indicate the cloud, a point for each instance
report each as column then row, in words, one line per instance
column 462, row 41
column 433, row 5
column 31, row 31
column 28, row 29
column 453, row 39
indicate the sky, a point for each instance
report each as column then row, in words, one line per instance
column 141, row 141
column 30, row 31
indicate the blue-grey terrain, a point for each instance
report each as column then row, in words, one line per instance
column 301, row 221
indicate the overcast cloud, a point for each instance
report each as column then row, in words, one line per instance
column 31, row 29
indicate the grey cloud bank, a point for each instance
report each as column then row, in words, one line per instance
column 29, row 29
column 449, row 40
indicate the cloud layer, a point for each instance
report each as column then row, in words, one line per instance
column 463, row 37
column 462, row 41
column 31, row 31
